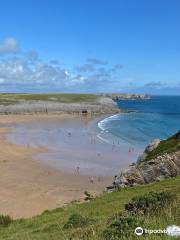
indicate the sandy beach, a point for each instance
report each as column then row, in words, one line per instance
column 29, row 185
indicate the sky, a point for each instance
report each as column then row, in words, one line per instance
column 130, row 46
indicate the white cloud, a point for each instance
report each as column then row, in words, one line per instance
column 85, row 68
column 32, row 55
column 96, row 61
column 19, row 72
column 28, row 71
column 154, row 85
column 10, row 45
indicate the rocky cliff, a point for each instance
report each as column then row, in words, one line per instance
column 160, row 160
column 56, row 103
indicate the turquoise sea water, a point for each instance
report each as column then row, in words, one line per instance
column 158, row 117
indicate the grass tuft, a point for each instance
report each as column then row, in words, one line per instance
column 5, row 220
column 76, row 221
column 152, row 201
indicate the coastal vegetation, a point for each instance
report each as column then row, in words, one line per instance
column 5, row 220
column 8, row 99
column 56, row 103
column 109, row 216
column 13, row 98
column 150, row 202
column 169, row 145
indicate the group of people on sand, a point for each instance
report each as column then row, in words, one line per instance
column 91, row 179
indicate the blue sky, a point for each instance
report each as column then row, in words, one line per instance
column 90, row 46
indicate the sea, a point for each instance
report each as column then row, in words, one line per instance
column 155, row 118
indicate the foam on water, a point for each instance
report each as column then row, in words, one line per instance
column 155, row 118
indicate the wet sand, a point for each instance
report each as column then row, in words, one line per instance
column 29, row 185
column 72, row 143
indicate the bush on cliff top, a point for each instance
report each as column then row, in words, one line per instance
column 121, row 225
column 76, row 220
column 152, row 201
column 169, row 145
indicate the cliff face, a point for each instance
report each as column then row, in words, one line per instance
column 98, row 105
column 160, row 160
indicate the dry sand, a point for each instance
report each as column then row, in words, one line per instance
column 29, row 187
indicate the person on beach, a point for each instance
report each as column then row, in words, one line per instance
column 77, row 170
column 91, row 180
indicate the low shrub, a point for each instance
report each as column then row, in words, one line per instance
column 151, row 201
column 121, row 225
column 5, row 220
column 76, row 220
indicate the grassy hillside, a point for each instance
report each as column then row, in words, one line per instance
column 91, row 220
column 169, row 145
column 7, row 99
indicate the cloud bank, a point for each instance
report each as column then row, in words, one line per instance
column 22, row 71
column 10, row 45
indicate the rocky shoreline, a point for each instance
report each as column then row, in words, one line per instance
column 164, row 165
column 117, row 97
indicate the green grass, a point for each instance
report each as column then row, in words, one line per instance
column 169, row 145
column 95, row 216
column 8, row 99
